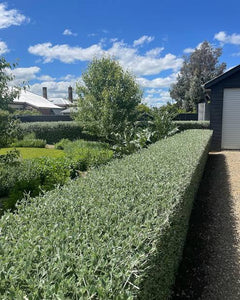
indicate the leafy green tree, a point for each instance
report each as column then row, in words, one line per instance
column 9, row 128
column 201, row 66
column 7, row 94
column 108, row 99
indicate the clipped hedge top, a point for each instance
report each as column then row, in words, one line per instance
column 184, row 125
column 95, row 236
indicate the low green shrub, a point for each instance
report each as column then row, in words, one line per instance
column 33, row 143
column 185, row 125
column 32, row 177
column 53, row 132
column 44, row 170
column 85, row 154
column 9, row 128
column 116, row 234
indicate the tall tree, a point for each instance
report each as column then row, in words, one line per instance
column 201, row 66
column 108, row 99
column 7, row 94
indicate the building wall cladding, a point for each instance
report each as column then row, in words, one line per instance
column 216, row 110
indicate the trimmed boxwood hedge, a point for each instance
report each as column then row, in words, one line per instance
column 184, row 125
column 116, row 234
column 53, row 132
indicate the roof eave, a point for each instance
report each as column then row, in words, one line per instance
column 221, row 77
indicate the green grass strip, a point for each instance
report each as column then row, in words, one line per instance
column 28, row 153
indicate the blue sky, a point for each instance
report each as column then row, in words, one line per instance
column 53, row 41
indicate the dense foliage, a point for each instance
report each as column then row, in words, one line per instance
column 85, row 154
column 9, row 128
column 108, row 98
column 42, row 169
column 116, row 234
column 29, row 140
column 53, row 132
column 184, row 125
column 198, row 68
column 7, row 94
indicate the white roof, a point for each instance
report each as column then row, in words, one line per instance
column 69, row 110
column 34, row 100
column 60, row 101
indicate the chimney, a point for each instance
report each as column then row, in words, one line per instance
column 44, row 92
column 70, row 94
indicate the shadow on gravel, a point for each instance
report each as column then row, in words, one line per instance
column 210, row 267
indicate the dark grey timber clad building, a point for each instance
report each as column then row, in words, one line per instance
column 225, row 109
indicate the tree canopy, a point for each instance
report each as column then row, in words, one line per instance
column 198, row 68
column 108, row 98
column 7, row 94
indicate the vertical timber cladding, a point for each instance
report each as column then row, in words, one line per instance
column 225, row 109
column 231, row 119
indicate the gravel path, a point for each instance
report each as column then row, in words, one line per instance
column 211, row 263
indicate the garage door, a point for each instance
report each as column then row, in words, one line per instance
column 231, row 119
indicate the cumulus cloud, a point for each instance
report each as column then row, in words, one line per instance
column 142, row 40
column 23, row 74
column 188, row 50
column 9, row 17
column 56, row 89
column 160, row 82
column 69, row 32
column 154, row 52
column 64, row 52
column 129, row 58
column 224, row 38
column 3, row 48
column 159, row 98
column 45, row 78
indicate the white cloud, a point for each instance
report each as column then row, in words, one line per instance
column 158, row 99
column 154, row 52
column 188, row 50
column 3, row 48
column 10, row 17
column 55, row 88
column 45, row 78
column 160, row 82
column 23, row 74
column 224, row 38
column 128, row 57
column 64, row 52
column 142, row 40
column 69, row 32
column 68, row 77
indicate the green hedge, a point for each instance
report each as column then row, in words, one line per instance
column 53, row 132
column 116, row 234
column 184, row 125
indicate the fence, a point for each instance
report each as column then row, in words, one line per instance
column 186, row 117
column 53, row 118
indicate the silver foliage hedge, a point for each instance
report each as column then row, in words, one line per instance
column 116, row 234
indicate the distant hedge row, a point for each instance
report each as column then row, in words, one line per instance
column 116, row 234
column 53, row 132
column 185, row 125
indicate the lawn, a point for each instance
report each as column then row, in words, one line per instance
column 35, row 152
